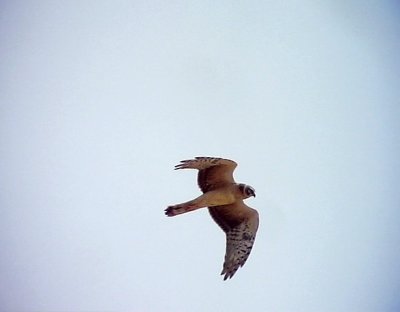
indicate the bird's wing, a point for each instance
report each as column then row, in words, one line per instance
column 213, row 172
column 240, row 223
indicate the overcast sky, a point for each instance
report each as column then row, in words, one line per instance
column 100, row 99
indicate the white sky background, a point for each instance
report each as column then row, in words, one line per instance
column 100, row 99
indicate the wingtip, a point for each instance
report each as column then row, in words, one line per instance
column 169, row 211
column 226, row 275
column 181, row 165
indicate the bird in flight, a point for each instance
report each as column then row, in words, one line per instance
column 224, row 199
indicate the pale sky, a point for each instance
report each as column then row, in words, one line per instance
column 100, row 99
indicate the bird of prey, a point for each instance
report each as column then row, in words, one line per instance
column 224, row 199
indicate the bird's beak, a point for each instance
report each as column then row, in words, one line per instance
column 254, row 194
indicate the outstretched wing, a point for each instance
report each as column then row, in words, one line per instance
column 213, row 172
column 240, row 223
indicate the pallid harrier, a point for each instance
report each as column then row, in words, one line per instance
column 224, row 199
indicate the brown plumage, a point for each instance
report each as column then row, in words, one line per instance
column 224, row 199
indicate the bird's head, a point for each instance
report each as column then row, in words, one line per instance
column 247, row 190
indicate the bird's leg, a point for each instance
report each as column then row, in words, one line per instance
column 184, row 207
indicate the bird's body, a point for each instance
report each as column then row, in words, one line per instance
column 224, row 199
